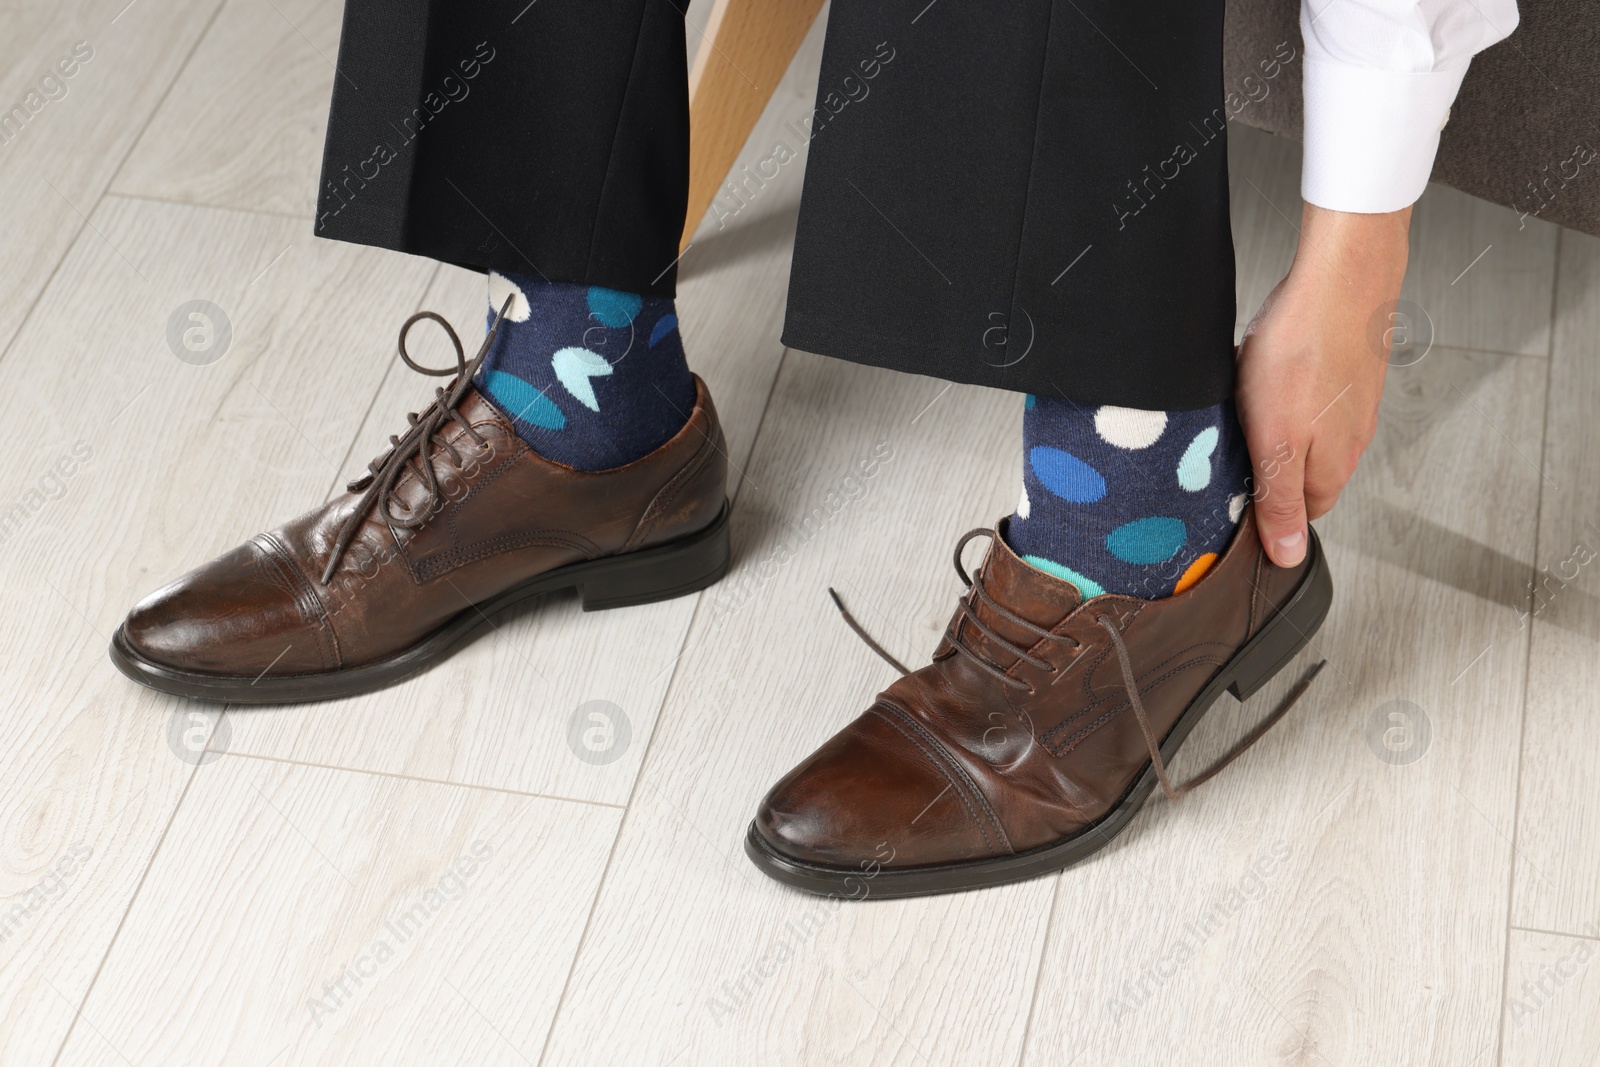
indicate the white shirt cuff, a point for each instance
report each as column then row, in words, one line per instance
column 1371, row 135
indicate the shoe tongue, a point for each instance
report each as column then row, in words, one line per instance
column 1041, row 598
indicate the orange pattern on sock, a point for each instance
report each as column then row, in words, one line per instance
column 1196, row 571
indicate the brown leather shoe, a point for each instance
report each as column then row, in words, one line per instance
column 1039, row 729
column 458, row 520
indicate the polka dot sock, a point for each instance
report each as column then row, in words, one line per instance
column 1119, row 500
column 591, row 378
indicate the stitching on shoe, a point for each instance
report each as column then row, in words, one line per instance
column 454, row 557
column 944, row 753
column 446, row 562
column 938, row 765
column 488, row 479
column 451, row 506
column 1078, row 738
column 1216, row 658
column 670, row 492
column 1255, row 596
column 1062, row 627
column 313, row 613
column 1092, row 702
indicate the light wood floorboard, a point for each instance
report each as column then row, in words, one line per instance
column 298, row 915
column 54, row 168
column 128, row 466
column 1558, row 884
column 1552, row 986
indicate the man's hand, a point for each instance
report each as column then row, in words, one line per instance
column 1311, row 369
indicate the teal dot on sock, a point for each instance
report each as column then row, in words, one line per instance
column 1029, row 401
column 525, row 402
column 1067, row 476
column 1087, row 586
column 1151, row 540
column 613, row 307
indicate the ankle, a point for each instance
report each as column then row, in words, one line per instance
column 590, row 377
column 1121, row 500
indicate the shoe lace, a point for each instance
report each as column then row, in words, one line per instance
column 954, row 633
column 1154, row 745
column 416, row 449
column 1129, row 682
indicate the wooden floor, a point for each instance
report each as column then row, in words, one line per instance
column 285, row 886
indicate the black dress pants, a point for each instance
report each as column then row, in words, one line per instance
column 1028, row 194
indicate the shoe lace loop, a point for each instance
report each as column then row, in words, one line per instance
column 416, row 449
column 976, row 589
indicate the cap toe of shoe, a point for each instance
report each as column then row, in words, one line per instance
column 240, row 614
column 870, row 797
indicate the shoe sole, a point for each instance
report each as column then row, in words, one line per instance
column 674, row 569
column 1250, row 668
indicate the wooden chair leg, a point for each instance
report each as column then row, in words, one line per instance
column 747, row 47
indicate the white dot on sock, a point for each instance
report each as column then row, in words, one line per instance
column 501, row 287
column 1023, row 507
column 1235, row 506
column 1130, row 428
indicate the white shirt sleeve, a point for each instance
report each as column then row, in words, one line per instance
column 1379, row 78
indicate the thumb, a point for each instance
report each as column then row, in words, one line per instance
column 1280, row 500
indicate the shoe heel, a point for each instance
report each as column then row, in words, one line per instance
column 1287, row 632
column 676, row 569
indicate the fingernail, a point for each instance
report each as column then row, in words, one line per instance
column 1292, row 549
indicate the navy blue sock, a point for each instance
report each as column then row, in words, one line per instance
column 1119, row 500
column 591, row 378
